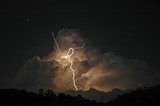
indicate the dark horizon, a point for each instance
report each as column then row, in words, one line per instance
column 141, row 96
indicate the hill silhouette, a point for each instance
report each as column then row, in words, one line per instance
column 141, row 96
column 22, row 97
column 99, row 96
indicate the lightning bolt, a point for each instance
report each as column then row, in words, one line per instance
column 56, row 43
column 68, row 55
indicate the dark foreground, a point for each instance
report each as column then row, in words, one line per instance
column 144, row 96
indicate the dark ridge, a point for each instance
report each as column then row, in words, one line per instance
column 22, row 97
column 143, row 96
column 98, row 96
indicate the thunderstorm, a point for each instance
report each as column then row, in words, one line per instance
column 67, row 56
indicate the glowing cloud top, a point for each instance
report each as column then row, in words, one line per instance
column 75, row 64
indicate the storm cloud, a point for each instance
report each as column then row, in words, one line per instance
column 92, row 69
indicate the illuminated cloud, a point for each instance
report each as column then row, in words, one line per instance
column 92, row 69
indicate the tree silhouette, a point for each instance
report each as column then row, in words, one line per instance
column 141, row 96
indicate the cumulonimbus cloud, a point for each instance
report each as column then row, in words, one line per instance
column 93, row 70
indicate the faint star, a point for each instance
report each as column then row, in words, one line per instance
column 28, row 19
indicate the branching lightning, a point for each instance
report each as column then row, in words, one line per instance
column 56, row 43
column 67, row 56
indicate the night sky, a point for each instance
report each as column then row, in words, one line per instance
column 129, row 29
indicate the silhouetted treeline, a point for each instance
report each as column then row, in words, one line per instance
column 22, row 97
column 143, row 96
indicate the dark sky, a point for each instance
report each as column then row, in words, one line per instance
column 129, row 29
